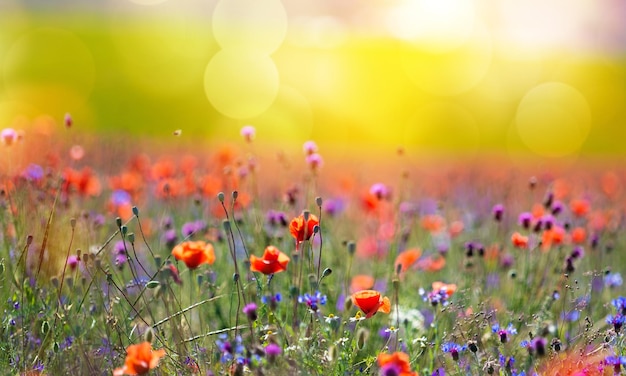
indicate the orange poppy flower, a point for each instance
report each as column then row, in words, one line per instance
column 449, row 289
column 301, row 231
column 519, row 240
column 580, row 207
column 431, row 264
column 577, row 362
column 611, row 184
column 433, row 223
column 456, row 228
column 194, row 253
column 554, row 236
column 407, row 258
column 361, row 282
column 140, row 359
column 273, row 261
column 579, row 235
column 396, row 364
column 370, row 302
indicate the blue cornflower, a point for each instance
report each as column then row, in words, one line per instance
column 271, row 300
column 617, row 362
column 503, row 333
column 454, row 349
column 507, row 362
column 33, row 172
column 617, row 321
column 620, row 304
column 313, row 301
column 120, row 197
column 536, row 346
column 613, row 280
column 231, row 350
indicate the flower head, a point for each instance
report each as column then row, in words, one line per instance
column 504, row 333
column 140, row 359
column 454, row 349
column 498, row 212
column 194, row 253
column 519, row 240
column 8, row 136
column 396, row 364
column 313, row 301
column 441, row 293
column 273, row 261
column 407, row 258
column 309, row 147
column 248, row 132
column 371, row 302
column 302, row 230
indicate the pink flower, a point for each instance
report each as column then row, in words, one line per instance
column 8, row 136
column 248, row 132
column 314, row 161
column 309, row 147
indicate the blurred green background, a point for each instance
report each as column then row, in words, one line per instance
column 437, row 77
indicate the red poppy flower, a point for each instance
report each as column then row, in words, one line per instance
column 580, row 207
column 273, row 261
column 554, row 236
column 302, row 231
column 370, row 302
column 396, row 364
column 579, row 235
column 407, row 258
column 519, row 240
column 194, row 253
column 140, row 359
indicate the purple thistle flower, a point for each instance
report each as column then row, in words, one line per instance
column 250, row 311
column 498, row 212
column 525, row 219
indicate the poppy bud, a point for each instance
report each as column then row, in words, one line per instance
column 118, row 222
column 226, row 224
column 361, row 337
column 149, row 335
column 351, row 247
column 135, row 211
column 319, row 201
column 235, row 195
column 220, row 196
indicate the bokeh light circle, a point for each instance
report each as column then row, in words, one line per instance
column 164, row 58
column 241, row 83
column 50, row 68
column 436, row 25
column 250, row 24
column 553, row 119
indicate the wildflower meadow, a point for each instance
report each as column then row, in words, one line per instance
column 312, row 187
column 215, row 263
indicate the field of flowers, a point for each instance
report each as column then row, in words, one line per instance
column 119, row 258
